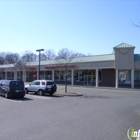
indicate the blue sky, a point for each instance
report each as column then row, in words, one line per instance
column 86, row 26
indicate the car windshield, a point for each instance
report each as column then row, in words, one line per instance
column 16, row 84
column 50, row 83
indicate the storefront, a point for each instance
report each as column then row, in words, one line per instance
column 121, row 69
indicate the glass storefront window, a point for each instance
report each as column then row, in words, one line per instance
column 137, row 76
column 81, row 75
column 125, row 77
column 10, row 75
column 41, row 74
column 60, row 75
column 76, row 78
column 2, row 75
column 48, row 75
column 69, row 75
column 56, row 75
column 100, row 75
column 93, row 75
column 19, row 75
column 31, row 75
column 87, row 72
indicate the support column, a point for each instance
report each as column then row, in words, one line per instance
column 116, row 78
column 72, row 77
column 97, row 79
column 5, row 75
column 24, row 75
column 53, row 75
column 15, row 75
column 132, row 78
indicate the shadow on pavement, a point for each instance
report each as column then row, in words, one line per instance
column 21, row 99
column 46, row 95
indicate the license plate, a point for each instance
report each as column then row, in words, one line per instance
column 17, row 90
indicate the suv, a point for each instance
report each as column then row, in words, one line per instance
column 12, row 88
column 41, row 86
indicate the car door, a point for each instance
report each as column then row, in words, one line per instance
column 31, row 86
column 37, row 86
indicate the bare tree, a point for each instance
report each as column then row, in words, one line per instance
column 79, row 55
column 11, row 58
column 43, row 57
column 20, row 66
column 135, row 25
column 48, row 55
column 2, row 58
column 29, row 56
column 65, row 63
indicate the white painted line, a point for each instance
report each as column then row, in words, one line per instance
column 13, row 100
column 37, row 96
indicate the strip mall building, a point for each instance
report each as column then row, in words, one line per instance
column 121, row 69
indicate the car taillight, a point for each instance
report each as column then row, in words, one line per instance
column 8, row 89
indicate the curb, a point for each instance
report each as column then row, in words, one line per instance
column 110, row 88
column 68, row 94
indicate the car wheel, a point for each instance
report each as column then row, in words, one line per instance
column 6, row 95
column 26, row 91
column 40, row 92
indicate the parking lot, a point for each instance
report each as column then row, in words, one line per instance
column 104, row 114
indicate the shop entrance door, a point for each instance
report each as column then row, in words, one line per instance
column 87, row 79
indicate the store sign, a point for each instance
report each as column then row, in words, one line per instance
column 31, row 68
column 60, row 66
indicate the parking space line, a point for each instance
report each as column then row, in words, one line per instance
column 13, row 100
column 37, row 96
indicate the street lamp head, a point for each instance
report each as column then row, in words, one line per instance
column 40, row 50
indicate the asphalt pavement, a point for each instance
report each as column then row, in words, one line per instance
column 100, row 114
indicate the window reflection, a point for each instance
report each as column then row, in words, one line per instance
column 2, row 75
column 137, row 76
column 125, row 77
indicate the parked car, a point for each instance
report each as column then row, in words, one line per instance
column 12, row 88
column 41, row 87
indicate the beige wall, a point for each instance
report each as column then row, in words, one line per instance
column 124, row 58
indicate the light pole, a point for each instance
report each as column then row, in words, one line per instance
column 39, row 62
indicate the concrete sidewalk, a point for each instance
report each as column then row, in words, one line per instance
column 99, row 87
column 93, row 87
column 67, row 94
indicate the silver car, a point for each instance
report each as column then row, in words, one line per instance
column 41, row 87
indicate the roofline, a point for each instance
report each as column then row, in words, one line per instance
column 124, row 48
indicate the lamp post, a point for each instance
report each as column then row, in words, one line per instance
column 39, row 61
